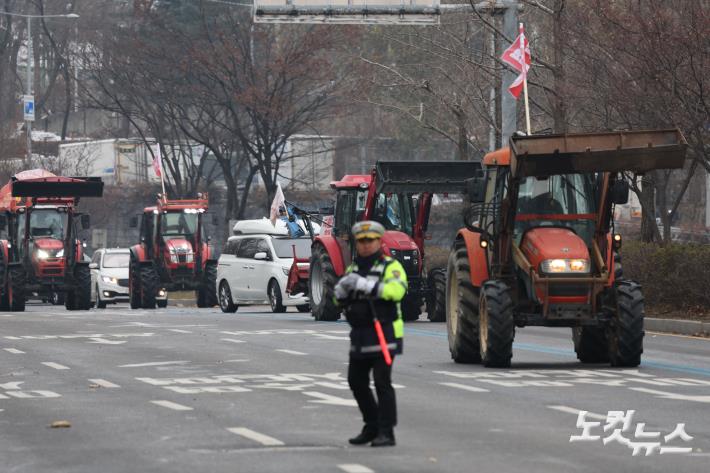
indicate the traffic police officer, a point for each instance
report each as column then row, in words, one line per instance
column 373, row 281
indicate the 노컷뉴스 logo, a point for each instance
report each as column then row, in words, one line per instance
column 617, row 428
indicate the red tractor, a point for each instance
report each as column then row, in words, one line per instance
column 540, row 247
column 397, row 194
column 173, row 254
column 41, row 252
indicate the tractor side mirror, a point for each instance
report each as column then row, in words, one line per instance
column 476, row 189
column 133, row 222
column 85, row 221
column 620, row 192
column 261, row 255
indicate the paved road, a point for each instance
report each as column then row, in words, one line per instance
column 185, row 390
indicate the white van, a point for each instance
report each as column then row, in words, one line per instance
column 253, row 269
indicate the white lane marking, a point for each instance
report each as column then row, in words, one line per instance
column 103, row 383
column 678, row 397
column 54, row 365
column 177, row 330
column 238, row 360
column 155, row 363
column 172, row 405
column 466, row 387
column 9, row 337
column 572, row 410
column 256, row 436
column 233, row 340
column 355, row 468
column 14, row 351
column 7, row 315
column 330, row 399
column 330, row 337
column 290, row 352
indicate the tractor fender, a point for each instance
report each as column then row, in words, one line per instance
column 476, row 256
column 610, row 259
column 139, row 253
column 333, row 249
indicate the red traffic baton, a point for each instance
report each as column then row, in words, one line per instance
column 381, row 335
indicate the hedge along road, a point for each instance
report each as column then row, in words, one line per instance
column 185, row 390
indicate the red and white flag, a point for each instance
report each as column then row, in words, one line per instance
column 518, row 57
column 157, row 163
column 278, row 202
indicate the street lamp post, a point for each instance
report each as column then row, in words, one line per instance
column 30, row 57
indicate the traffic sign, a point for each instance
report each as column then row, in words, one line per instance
column 29, row 107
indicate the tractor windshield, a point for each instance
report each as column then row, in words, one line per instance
column 394, row 211
column 174, row 224
column 566, row 200
column 47, row 223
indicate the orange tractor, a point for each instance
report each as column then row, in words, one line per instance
column 41, row 252
column 539, row 248
column 173, row 254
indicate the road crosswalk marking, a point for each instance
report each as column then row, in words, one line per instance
column 54, row 365
column 355, row 468
column 572, row 410
column 103, row 383
column 466, row 387
column 172, row 405
column 14, row 351
column 290, row 352
column 256, row 436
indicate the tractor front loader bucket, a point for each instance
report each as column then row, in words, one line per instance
column 425, row 176
column 58, row 187
column 635, row 151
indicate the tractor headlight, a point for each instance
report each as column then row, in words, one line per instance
column 60, row 253
column 562, row 266
column 42, row 254
column 109, row 280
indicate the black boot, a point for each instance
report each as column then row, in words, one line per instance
column 367, row 435
column 384, row 439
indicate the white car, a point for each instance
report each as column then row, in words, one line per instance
column 109, row 278
column 253, row 269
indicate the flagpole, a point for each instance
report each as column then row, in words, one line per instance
column 525, row 79
column 162, row 174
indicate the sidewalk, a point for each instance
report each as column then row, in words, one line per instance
column 683, row 327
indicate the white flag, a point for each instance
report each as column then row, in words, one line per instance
column 279, row 201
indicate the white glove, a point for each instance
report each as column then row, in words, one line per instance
column 345, row 286
column 365, row 286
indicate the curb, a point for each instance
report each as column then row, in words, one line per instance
column 683, row 327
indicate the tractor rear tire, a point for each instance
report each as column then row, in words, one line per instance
column 411, row 307
column 591, row 344
column 16, row 287
column 626, row 332
column 436, row 302
column 321, row 288
column 497, row 325
column 162, row 303
column 207, row 292
column 134, row 285
column 82, row 292
column 149, row 286
column 461, row 308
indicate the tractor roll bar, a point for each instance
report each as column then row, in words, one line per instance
column 58, row 187
column 425, row 176
column 635, row 151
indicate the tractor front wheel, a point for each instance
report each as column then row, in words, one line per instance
column 207, row 292
column 411, row 307
column 497, row 326
column 322, row 282
column 16, row 288
column 82, row 291
column 149, row 286
column 436, row 302
column 626, row 333
column 591, row 344
column 134, row 285
column 461, row 308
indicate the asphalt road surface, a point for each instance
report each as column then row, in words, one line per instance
column 188, row 390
